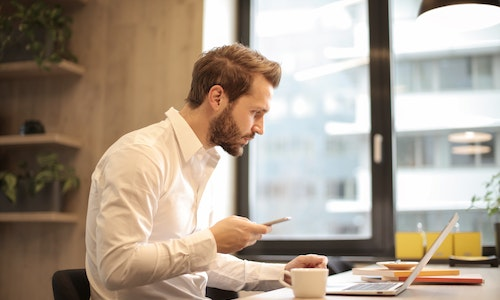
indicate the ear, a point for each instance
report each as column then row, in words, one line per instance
column 215, row 97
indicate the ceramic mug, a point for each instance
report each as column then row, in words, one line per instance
column 307, row 282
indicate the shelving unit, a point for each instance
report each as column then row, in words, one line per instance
column 25, row 69
column 39, row 139
column 38, row 236
column 48, row 217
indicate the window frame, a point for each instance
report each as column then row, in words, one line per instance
column 382, row 242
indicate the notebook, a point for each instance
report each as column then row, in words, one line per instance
column 391, row 288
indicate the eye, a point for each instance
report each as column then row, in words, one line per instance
column 258, row 113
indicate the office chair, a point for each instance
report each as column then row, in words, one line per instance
column 71, row 284
column 338, row 265
column 219, row 294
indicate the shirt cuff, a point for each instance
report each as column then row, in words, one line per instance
column 271, row 271
column 203, row 249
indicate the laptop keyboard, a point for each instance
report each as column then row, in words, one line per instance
column 376, row 286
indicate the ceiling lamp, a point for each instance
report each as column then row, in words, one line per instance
column 459, row 15
column 470, row 150
column 470, row 137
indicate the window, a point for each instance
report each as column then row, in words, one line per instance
column 333, row 115
column 314, row 161
column 446, row 87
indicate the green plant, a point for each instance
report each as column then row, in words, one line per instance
column 8, row 183
column 39, row 28
column 490, row 200
column 47, row 171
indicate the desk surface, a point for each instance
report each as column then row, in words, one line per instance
column 489, row 290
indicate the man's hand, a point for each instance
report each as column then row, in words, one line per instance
column 306, row 261
column 235, row 233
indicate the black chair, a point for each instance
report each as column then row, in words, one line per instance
column 219, row 294
column 71, row 284
column 338, row 265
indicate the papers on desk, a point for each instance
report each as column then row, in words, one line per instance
column 431, row 276
column 384, row 272
column 451, row 279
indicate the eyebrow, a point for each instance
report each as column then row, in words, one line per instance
column 262, row 109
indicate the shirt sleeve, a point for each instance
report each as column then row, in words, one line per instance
column 231, row 273
column 125, row 256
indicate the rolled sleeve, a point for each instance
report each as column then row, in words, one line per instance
column 203, row 250
column 231, row 273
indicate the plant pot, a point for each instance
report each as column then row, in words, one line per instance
column 17, row 51
column 48, row 199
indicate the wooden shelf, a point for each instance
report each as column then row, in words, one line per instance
column 49, row 217
column 63, row 2
column 39, row 139
column 31, row 69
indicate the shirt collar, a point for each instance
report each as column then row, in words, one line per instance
column 189, row 143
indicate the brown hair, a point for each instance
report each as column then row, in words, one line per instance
column 233, row 67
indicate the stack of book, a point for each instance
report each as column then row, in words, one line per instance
column 427, row 275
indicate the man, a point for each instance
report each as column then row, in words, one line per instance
column 149, row 234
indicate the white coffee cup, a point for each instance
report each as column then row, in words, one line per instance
column 307, row 282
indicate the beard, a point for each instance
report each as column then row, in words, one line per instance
column 224, row 132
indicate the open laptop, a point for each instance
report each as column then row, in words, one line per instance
column 390, row 288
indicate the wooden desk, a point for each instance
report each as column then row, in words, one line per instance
column 489, row 290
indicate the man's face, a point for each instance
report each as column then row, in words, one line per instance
column 240, row 120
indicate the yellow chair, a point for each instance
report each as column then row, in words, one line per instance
column 467, row 244
column 409, row 245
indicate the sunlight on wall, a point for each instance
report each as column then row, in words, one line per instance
column 219, row 28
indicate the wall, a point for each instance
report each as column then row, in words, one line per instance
column 138, row 57
column 219, row 28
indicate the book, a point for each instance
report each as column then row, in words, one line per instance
column 450, row 279
column 384, row 272
column 457, row 279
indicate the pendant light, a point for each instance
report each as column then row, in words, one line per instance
column 472, row 142
column 459, row 15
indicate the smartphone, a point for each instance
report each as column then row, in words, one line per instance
column 270, row 223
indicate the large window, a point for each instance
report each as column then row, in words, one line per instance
column 337, row 120
column 314, row 162
column 446, row 91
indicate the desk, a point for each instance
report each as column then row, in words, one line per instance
column 490, row 289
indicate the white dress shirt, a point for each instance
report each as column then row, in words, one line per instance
column 147, row 233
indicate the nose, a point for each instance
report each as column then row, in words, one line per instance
column 258, row 127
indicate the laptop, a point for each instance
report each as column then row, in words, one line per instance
column 390, row 288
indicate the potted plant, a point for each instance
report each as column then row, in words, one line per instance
column 36, row 31
column 490, row 201
column 40, row 187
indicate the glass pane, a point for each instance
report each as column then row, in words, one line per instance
column 313, row 162
column 445, row 83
